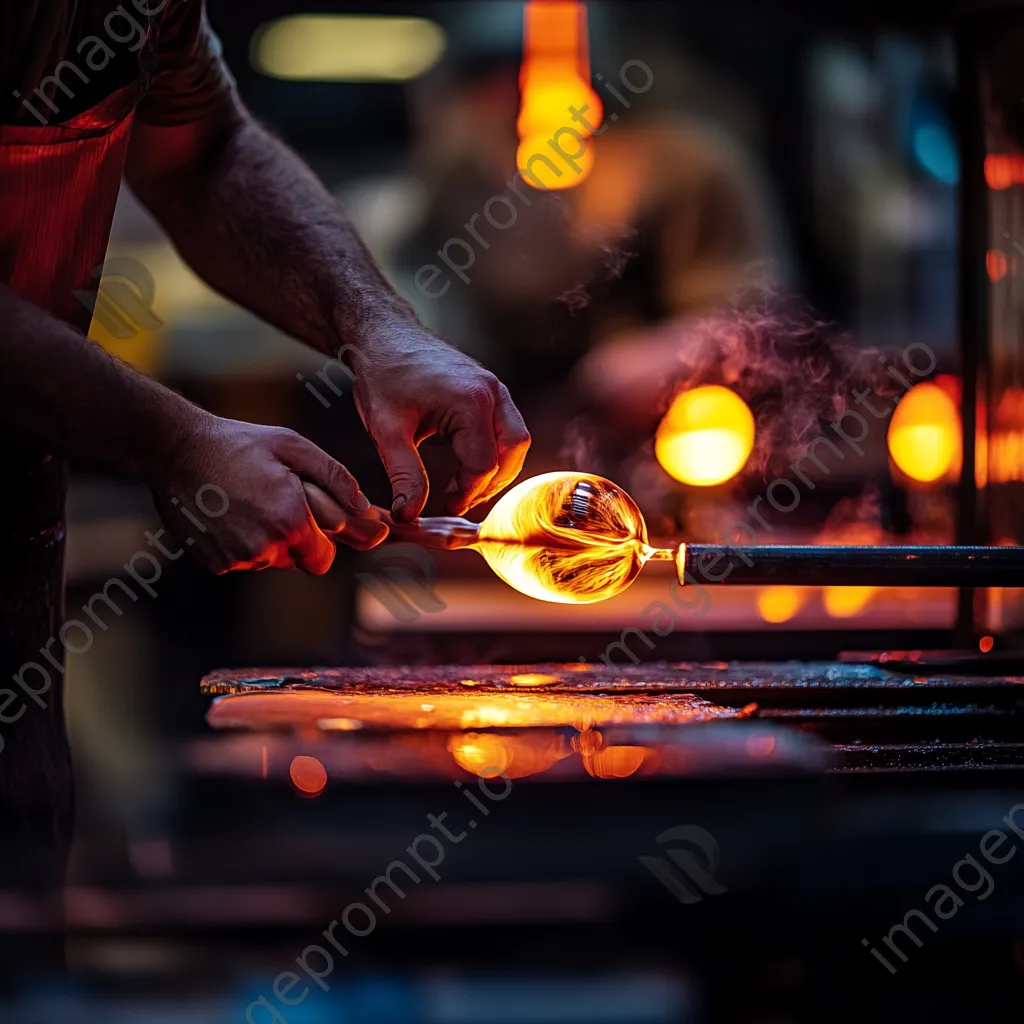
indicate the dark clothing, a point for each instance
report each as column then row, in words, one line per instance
column 107, row 45
column 58, row 187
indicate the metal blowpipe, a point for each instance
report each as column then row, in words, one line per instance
column 842, row 566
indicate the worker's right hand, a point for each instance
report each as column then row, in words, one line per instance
column 243, row 485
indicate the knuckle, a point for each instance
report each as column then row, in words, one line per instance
column 475, row 467
column 480, row 394
column 519, row 437
column 284, row 439
column 403, row 477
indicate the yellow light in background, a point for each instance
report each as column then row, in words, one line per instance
column 347, row 48
column 846, row 602
column 554, row 151
column 924, row 434
column 706, row 436
column 779, row 604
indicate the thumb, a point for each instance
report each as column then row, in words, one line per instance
column 404, row 467
column 312, row 552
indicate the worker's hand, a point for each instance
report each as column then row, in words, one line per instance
column 243, row 485
column 409, row 385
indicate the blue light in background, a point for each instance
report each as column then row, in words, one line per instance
column 935, row 149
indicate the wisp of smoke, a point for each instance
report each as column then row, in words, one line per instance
column 608, row 263
column 794, row 370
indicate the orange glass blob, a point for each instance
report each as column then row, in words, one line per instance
column 569, row 538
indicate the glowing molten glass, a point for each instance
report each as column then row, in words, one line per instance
column 570, row 538
column 706, row 436
column 924, row 433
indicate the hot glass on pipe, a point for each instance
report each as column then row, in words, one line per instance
column 575, row 538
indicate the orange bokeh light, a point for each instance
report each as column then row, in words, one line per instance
column 846, row 602
column 996, row 264
column 925, row 434
column 706, row 436
column 544, row 167
column 779, row 604
column 985, row 644
column 1002, row 170
column 308, row 775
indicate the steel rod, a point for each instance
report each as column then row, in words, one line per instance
column 839, row 566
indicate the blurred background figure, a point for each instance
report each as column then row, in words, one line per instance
column 671, row 218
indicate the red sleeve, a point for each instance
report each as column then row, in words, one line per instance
column 191, row 80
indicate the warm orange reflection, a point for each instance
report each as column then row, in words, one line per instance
column 846, row 602
column 780, row 604
column 985, row 644
column 925, row 434
column 532, row 679
column 614, row 761
column 457, row 711
column 485, row 753
column 1005, row 447
column 308, row 775
column 706, row 436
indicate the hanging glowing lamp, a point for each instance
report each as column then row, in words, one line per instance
column 554, row 151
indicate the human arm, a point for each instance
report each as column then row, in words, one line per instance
column 254, row 222
column 63, row 391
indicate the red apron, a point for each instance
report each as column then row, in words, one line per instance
column 58, row 189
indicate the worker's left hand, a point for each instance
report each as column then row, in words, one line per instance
column 410, row 385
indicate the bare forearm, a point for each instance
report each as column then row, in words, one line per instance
column 65, row 391
column 253, row 221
